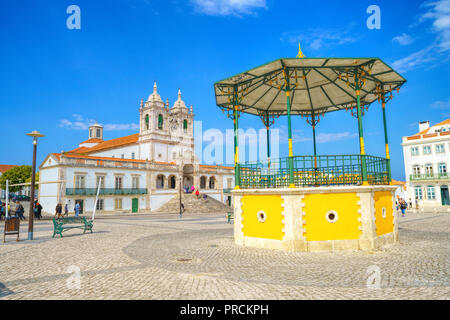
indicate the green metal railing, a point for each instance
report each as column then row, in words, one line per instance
column 104, row 191
column 310, row 171
column 429, row 176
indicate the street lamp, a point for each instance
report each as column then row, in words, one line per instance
column 35, row 134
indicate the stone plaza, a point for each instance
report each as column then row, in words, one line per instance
column 161, row 256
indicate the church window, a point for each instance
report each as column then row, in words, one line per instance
column 147, row 122
column 185, row 125
column 98, row 133
column 160, row 121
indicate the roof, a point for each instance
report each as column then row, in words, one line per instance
column 424, row 132
column 317, row 85
column 108, row 144
column 80, row 156
column 6, row 167
column 93, row 140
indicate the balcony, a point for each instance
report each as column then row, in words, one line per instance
column 429, row 176
column 104, row 191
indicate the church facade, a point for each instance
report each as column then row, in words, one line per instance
column 136, row 173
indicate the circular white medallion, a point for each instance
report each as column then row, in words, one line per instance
column 331, row 216
column 261, row 216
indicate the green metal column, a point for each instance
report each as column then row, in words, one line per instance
column 291, row 155
column 236, row 148
column 361, row 137
column 268, row 138
column 388, row 158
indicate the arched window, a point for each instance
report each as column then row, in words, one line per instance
column 160, row 181
column 203, row 182
column 172, row 182
column 212, row 183
column 147, row 122
column 160, row 121
column 185, row 125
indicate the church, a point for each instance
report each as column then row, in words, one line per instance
column 136, row 173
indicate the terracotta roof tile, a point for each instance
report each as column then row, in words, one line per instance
column 427, row 130
column 93, row 140
column 108, row 144
column 6, row 167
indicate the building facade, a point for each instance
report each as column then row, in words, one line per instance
column 136, row 173
column 427, row 160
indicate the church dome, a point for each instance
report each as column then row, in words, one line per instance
column 179, row 104
column 155, row 97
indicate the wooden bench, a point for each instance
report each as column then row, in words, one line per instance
column 62, row 224
column 230, row 216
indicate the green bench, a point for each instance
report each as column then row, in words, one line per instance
column 230, row 216
column 63, row 224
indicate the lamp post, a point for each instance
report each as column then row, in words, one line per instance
column 35, row 134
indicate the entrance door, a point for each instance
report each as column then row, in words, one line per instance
column 445, row 199
column 134, row 205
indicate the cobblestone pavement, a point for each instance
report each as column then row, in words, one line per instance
column 164, row 257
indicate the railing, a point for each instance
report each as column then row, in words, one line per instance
column 313, row 171
column 429, row 176
column 104, row 191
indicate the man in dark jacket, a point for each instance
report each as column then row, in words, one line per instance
column 20, row 210
column 37, row 210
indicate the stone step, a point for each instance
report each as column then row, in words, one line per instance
column 193, row 205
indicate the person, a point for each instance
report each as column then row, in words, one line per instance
column 19, row 210
column 37, row 210
column 417, row 202
column 403, row 206
column 66, row 209
column 192, row 189
column 77, row 209
column 182, row 208
column 2, row 210
column 197, row 193
column 204, row 196
column 58, row 210
column 410, row 203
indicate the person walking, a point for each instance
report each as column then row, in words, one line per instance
column 403, row 206
column 66, row 210
column 58, row 211
column 197, row 193
column 38, row 210
column 20, row 210
column 410, row 204
column 2, row 210
column 77, row 209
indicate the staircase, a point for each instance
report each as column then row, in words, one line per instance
column 192, row 205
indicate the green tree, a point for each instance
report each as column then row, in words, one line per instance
column 15, row 175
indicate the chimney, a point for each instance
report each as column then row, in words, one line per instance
column 424, row 125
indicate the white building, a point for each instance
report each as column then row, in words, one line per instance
column 139, row 172
column 427, row 159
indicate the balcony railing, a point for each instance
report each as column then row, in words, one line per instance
column 429, row 176
column 314, row 171
column 104, row 191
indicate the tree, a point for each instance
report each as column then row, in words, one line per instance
column 36, row 180
column 15, row 175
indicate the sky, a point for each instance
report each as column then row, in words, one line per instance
column 58, row 80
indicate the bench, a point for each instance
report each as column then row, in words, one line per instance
column 230, row 216
column 62, row 224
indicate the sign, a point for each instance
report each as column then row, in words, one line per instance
column 12, row 225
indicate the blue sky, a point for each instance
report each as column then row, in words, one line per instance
column 56, row 80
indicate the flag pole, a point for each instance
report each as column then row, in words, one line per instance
column 96, row 198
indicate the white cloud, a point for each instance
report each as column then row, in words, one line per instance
column 319, row 38
column 80, row 123
column 414, row 60
column 404, row 39
column 228, row 7
column 438, row 12
column 443, row 105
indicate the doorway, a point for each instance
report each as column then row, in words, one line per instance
column 134, row 205
column 445, row 199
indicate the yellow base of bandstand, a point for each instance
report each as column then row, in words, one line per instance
column 316, row 219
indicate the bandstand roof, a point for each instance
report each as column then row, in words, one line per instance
column 317, row 85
